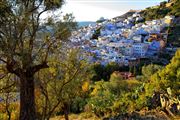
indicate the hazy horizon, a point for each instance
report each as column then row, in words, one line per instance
column 92, row 10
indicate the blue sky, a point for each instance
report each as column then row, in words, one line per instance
column 91, row 10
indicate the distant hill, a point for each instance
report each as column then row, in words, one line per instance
column 128, row 14
column 156, row 12
column 165, row 8
column 85, row 23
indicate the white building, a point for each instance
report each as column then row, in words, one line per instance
column 137, row 38
column 140, row 49
column 128, row 51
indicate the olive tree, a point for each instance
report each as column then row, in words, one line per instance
column 22, row 51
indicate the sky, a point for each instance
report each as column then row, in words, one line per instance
column 92, row 10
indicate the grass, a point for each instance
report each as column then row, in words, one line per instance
column 81, row 116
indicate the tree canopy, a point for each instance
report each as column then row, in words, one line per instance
column 23, row 51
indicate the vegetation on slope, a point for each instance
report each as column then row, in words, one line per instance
column 174, row 35
column 67, row 86
column 162, row 10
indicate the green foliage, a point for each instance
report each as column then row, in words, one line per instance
column 24, row 47
column 62, row 83
column 115, row 77
column 27, row 43
column 163, row 4
column 78, row 104
column 104, row 72
column 114, row 96
column 64, row 28
column 125, row 96
column 161, row 11
column 118, row 96
column 102, row 99
column 175, row 8
column 168, row 77
column 174, row 35
column 53, row 4
column 149, row 70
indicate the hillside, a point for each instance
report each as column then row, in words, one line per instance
column 174, row 35
column 165, row 8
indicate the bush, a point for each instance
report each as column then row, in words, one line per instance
column 78, row 105
column 114, row 96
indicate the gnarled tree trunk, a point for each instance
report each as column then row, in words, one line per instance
column 27, row 97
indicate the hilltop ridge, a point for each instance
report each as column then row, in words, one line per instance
column 165, row 8
column 127, row 14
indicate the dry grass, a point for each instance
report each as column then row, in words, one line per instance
column 82, row 116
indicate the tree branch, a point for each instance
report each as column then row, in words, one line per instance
column 36, row 68
column 35, row 27
column 59, row 100
column 3, row 60
column 7, row 87
column 2, row 76
column 77, row 70
column 11, row 67
column 35, row 8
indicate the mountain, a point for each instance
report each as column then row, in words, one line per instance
column 128, row 14
column 85, row 23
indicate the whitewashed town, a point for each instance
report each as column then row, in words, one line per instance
column 121, row 40
column 89, row 59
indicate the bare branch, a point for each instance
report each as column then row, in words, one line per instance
column 47, row 52
column 3, row 60
column 2, row 76
column 7, row 87
column 35, row 8
column 35, row 29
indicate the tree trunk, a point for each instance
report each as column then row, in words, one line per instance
column 8, row 113
column 66, row 111
column 8, row 106
column 27, row 97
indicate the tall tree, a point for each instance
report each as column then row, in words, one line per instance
column 22, row 50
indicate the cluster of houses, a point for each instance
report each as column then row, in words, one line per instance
column 121, row 40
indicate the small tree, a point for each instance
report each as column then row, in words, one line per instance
column 61, row 83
